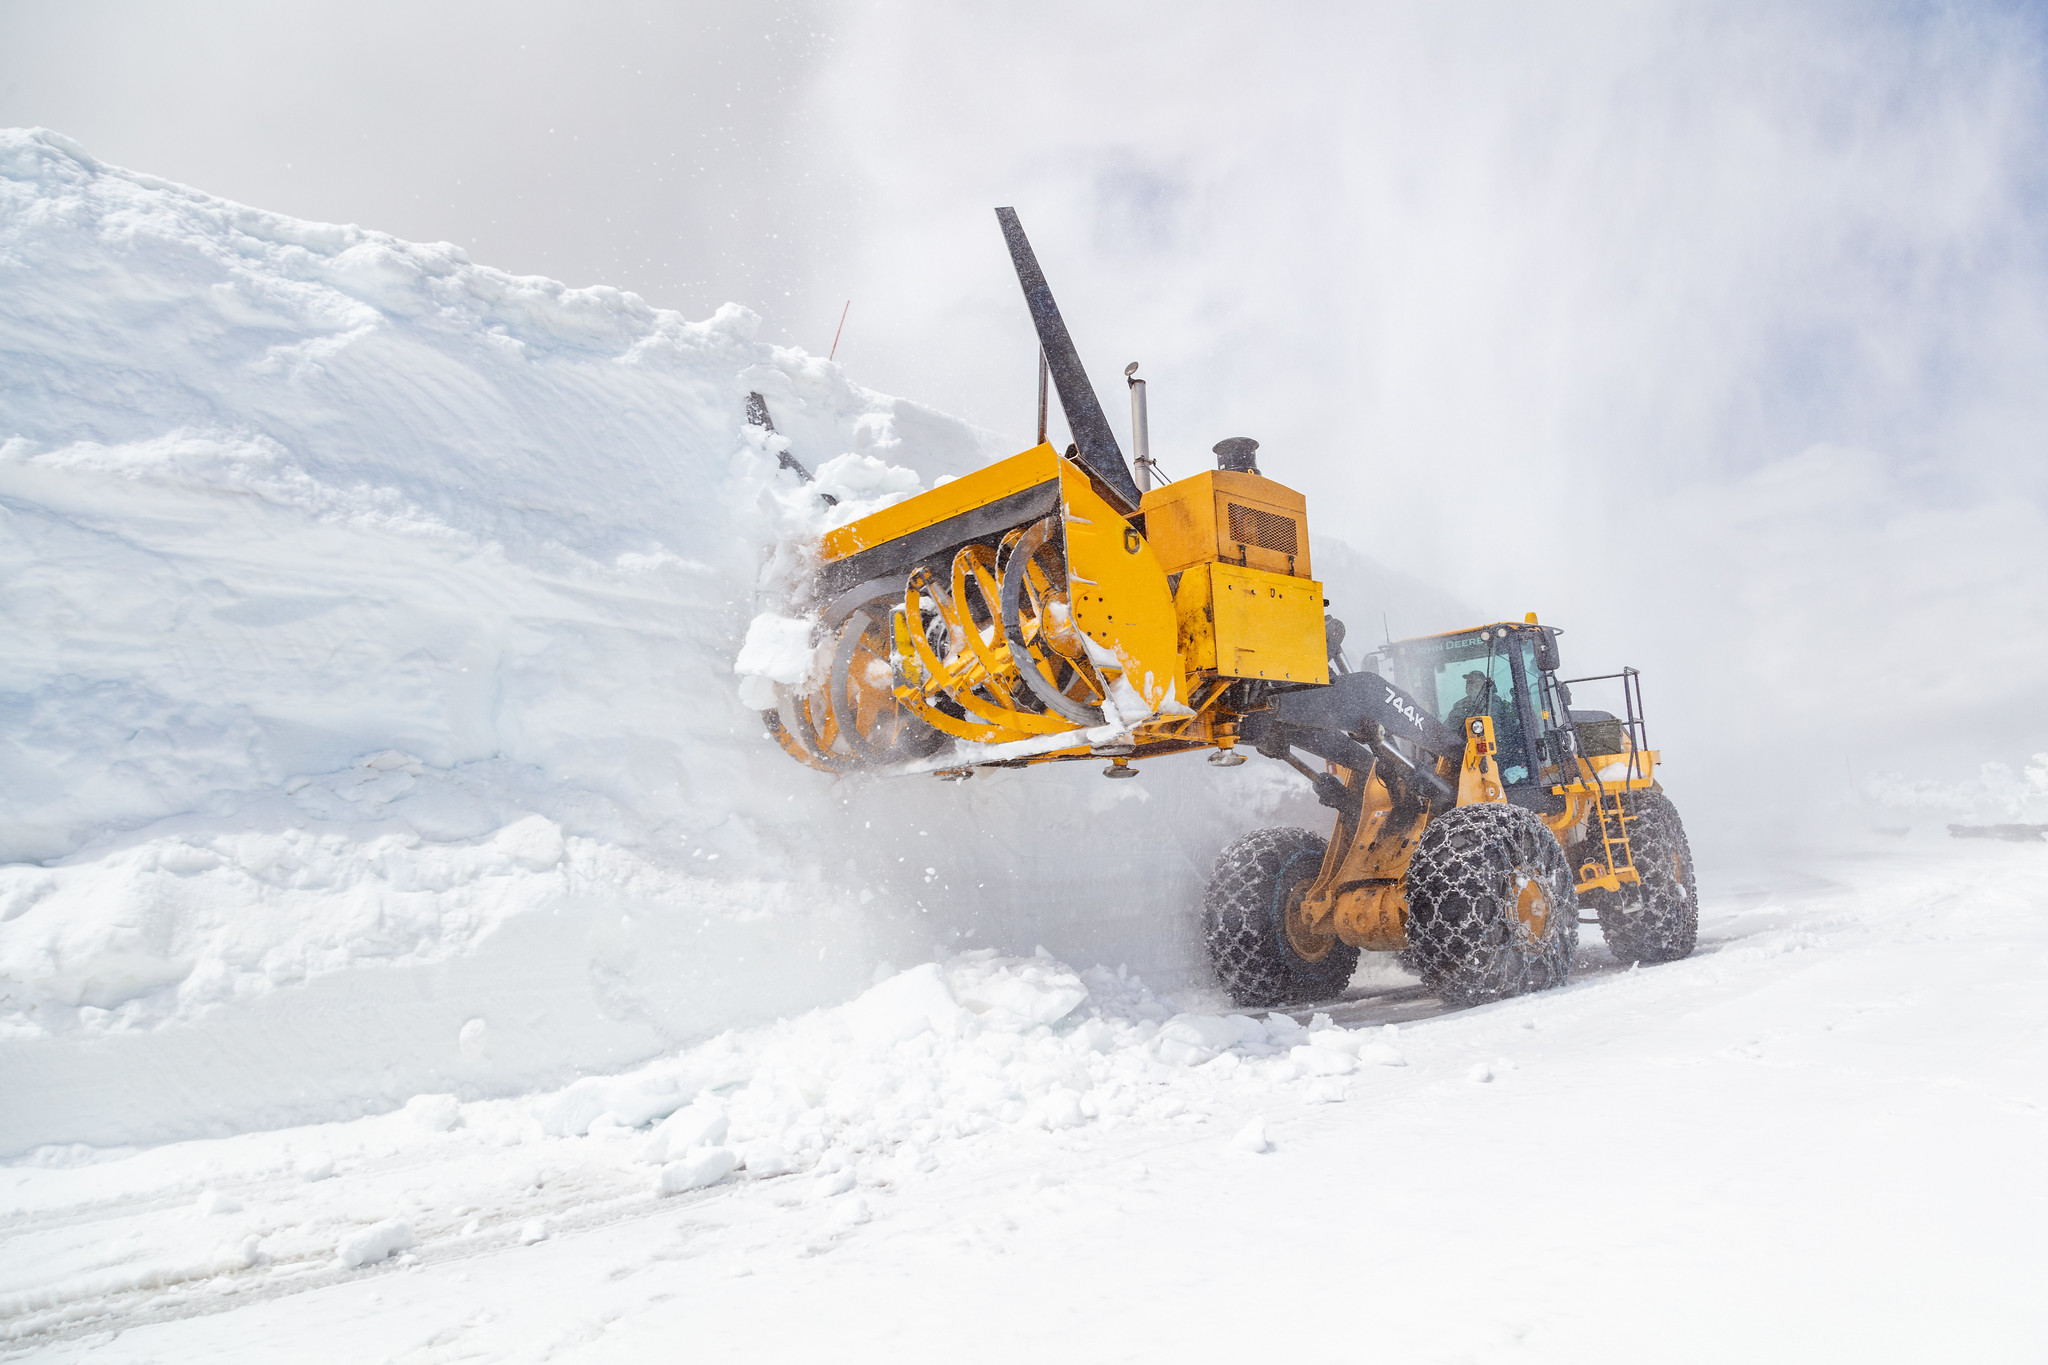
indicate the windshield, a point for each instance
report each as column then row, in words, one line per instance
column 1470, row 674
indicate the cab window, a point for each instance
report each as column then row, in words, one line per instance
column 1471, row 674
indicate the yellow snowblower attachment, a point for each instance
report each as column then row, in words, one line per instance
column 1045, row 608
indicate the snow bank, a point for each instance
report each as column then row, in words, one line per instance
column 370, row 705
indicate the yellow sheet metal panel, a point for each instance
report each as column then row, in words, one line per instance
column 1196, row 619
column 1180, row 521
column 1246, row 519
column 1118, row 593
column 1267, row 625
column 1037, row 465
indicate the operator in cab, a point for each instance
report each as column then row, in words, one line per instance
column 1482, row 700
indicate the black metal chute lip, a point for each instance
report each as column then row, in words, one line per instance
column 935, row 543
column 1098, row 451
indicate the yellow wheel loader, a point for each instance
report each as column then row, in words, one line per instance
column 1050, row 608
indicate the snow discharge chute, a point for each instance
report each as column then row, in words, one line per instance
column 1096, row 447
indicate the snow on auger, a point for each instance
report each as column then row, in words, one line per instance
column 1050, row 607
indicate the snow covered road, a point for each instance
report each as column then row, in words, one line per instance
column 1819, row 1138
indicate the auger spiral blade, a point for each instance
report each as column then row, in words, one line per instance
column 986, row 653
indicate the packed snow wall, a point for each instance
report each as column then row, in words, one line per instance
column 368, row 722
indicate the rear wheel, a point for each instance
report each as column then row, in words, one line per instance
column 1660, row 922
column 1263, row 952
column 1491, row 907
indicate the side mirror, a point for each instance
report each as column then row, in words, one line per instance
column 1564, row 695
column 1546, row 651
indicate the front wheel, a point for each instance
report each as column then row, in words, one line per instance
column 1263, row 953
column 1492, row 909
column 1660, row 922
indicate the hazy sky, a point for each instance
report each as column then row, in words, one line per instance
column 1719, row 331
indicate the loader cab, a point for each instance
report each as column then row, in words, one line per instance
column 1513, row 686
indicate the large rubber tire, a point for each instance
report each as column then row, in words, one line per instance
column 1463, row 885
column 1243, row 920
column 1662, row 923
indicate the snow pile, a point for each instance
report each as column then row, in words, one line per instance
column 370, row 704
column 936, row 1053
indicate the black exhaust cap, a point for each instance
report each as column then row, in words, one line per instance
column 1237, row 454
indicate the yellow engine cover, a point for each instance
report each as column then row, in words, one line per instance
column 1247, row 623
column 1219, row 514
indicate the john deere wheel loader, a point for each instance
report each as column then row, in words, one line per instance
column 1052, row 608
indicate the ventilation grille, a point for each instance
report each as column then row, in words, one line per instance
column 1266, row 530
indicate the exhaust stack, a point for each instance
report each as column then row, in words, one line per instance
column 1141, row 433
column 1237, row 454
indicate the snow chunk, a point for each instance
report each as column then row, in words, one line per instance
column 830, row 1184
column 1014, row 994
column 534, row 842
column 1191, row 1039
column 863, row 484
column 701, row 1167
column 902, row 1007
column 700, row 1125
column 777, row 648
column 1252, row 1138
column 1284, row 1029
column 765, row 1158
column 1061, row 1108
column 435, row 1113
column 367, row 1246
column 629, row 1103
column 1324, row 1061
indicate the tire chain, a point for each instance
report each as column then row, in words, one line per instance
column 1240, row 922
column 1462, row 930
column 1663, row 925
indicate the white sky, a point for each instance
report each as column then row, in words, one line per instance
column 1718, row 333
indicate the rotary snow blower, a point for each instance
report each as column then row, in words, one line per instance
column 1050, row 607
